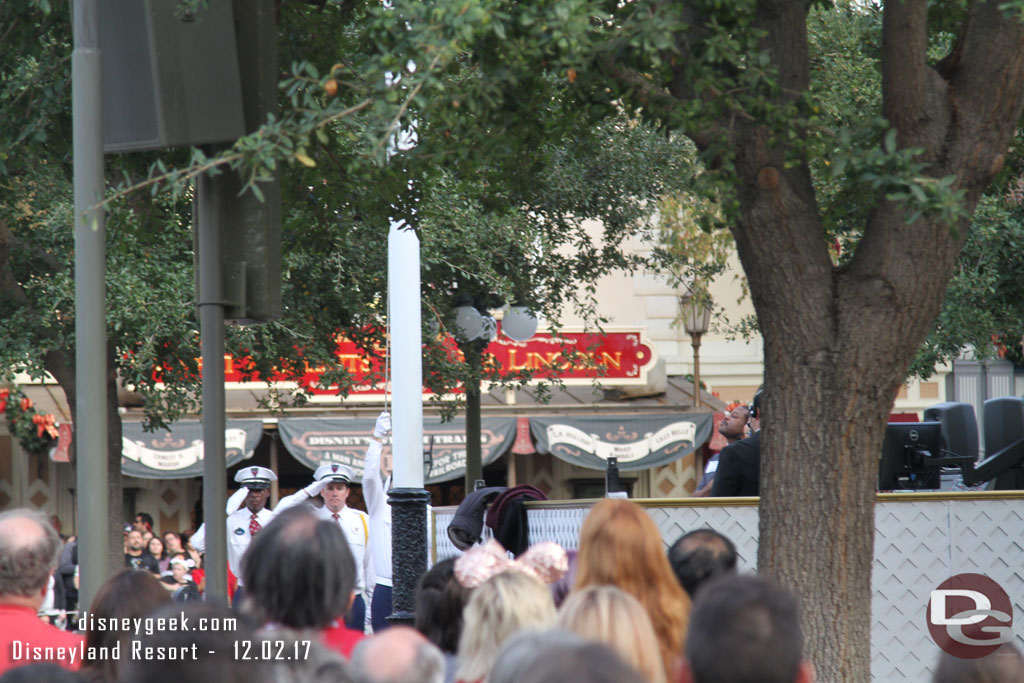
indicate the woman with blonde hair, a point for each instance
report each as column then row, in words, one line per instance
column 620, row 546
column 609, row 615
column 503, row 605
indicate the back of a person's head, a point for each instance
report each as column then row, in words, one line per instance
column 398, row 655
column 699, row 556
column 42, row 672
column 1005, row 665
column 620, row 545
column 555, row 656
column 196, row 641
column 744, row 629
column 29, row 550
column 498, row 608
column 300, row 657
column 299, row 571
column 440, row 600
column 128, row 594
column 609, row 615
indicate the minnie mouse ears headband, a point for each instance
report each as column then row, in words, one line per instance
column 546, row 561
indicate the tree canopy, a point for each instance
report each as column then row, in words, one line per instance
column 533, row 116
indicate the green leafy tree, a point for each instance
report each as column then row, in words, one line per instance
column 515, row 232
column 737, row 79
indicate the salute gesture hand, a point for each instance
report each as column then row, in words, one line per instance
column 383, row 425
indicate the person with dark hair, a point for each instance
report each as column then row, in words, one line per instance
column 299, row 573
column 43, row 672
column 156, row 548
column 1005, row 665
column 554, row 656
column 66, row 571
column 29, row 550
column 745, row 629
column 143, row 522
column 732, row 427
column 739, row 463
column 179, row 581
column 331, row 483
column 127, row 595
column 135, row 555
column 398, row 655
column 701, row 555
column 440, row 599
column 224, row 650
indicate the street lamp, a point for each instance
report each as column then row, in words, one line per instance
column 473, row 334
column 475, row 328
column 696, row 318
column 519, row 323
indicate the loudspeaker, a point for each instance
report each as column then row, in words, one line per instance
column 959, row 427
column 168, row 79
column 1004, row 422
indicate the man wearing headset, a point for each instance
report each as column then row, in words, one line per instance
column 739, row 463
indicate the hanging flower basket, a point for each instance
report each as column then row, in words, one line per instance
column 35, row 431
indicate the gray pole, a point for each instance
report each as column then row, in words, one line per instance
column 473, row 351
column 211, row 324
column 90, row 304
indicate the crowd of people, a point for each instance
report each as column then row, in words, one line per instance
column 620, row 609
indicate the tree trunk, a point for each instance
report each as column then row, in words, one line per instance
column 838, row 340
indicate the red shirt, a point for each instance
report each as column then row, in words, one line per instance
column 342, row 639
column 23, row 637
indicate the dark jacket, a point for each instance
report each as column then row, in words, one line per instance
column 739, row 468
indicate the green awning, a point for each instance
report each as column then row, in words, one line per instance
column 177, row 453
column 638, row 441
column 313, row 441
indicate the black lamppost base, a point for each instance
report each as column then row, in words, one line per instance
column 408, row 550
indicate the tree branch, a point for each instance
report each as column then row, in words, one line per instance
column 904, row 79
column 986, row 89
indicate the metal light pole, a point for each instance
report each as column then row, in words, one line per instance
column 697, row 318
column 473, row 351
column 474, row 330
column 90, row 304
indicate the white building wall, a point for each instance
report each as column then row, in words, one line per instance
column 730, row 367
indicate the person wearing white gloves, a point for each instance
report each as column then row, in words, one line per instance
column 376, row 482
column 331, row 483
column 244, row 523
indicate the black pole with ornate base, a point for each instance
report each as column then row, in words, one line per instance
column 408, row 550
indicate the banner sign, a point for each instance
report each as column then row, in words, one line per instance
column 619, row 357
column 313, row 441
column 178, row 453
column 638, row 441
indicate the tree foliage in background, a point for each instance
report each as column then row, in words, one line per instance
column 516, row 231
column 893, row 168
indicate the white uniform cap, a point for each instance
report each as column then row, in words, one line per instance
column 255, row 478
column 332, row 471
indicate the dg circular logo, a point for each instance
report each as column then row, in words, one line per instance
column 970, row 616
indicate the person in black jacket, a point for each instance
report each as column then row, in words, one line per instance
column 739, row 463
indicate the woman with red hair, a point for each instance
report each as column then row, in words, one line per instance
column 620, row 546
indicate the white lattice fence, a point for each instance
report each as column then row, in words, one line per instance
column 920, row 541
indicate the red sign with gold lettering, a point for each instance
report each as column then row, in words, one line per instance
column 617, row 357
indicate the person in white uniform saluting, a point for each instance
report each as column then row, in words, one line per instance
column 246, row 522
column 331, row 483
